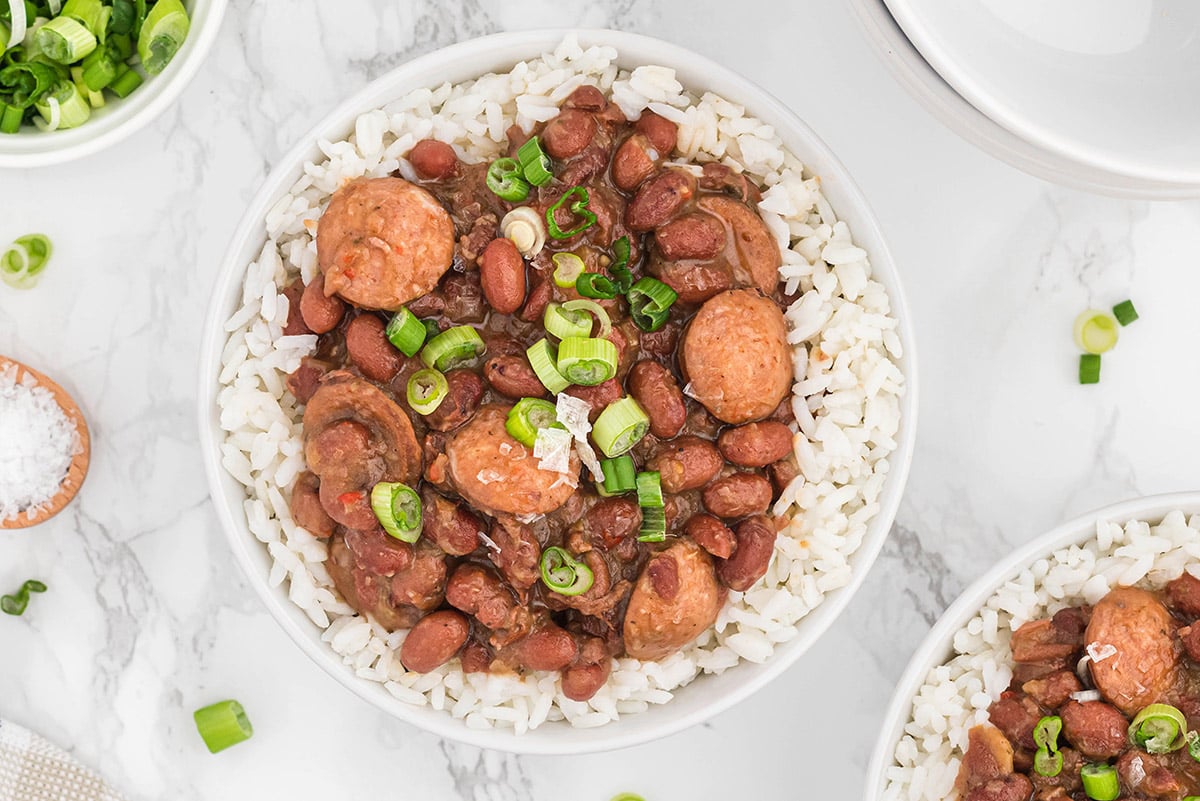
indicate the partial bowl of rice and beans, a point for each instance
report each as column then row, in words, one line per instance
column 548, row 400
column 1071, row 671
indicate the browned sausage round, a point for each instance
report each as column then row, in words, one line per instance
column 321, row 313
column 660, row 131
column 1146, row 662
column 1095, row 728
column 659, row 199
column 758, row 258
column 433, row 160
column 1013, row 787
column 712, row 535
column 584, row 679
column 306, row 508
column 692, row 236
column 344, row 446
column 675, row 599
column 685, row 463
column 569, row 133
column 756, row 444
column 738, row 495
column 453, row 526
column 464, row 391
column 502, row 275
column 547, row 648
column 736, row 356
column 434, row 641
column 382, row 242
column 632, row 164
column 513, row 377
column 655, row 390
column 370, row 350
column 755, row 544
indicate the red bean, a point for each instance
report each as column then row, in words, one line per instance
column 502, row 275
column 686, row 463
column 657, row 392
column 755, row 544
column 712, row 535
column 547, row 648
column 660, row 131
column 464, row 392
column 660, row 199
column 588, row 98
column 632, row 164
column 321, row 314
column 433, row 160
column 434, row 640
column 513, row 377
column 569, row 133
column 370, row 350
column 738, row 495
column 756, row 444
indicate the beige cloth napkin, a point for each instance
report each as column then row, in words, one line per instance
column 32, row 769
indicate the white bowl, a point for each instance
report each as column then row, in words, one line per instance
column 923, row 82
column 938, row 646
column 118, row 118
column 706, row 696
column 1097, row 82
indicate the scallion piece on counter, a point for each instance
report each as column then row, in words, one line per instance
column 1158, row 729
column 1089, row 368
column 1100, row 781
column 563, row 324
column 620, row 426
column 452, row 347
column 619, row 474
column 627, row 797
column 506, row 180
column 650, row 302
column 126, row 81
column 535, row 164
column 543, row 358
column 1124, row 312
column 529, row 416
column 24, row 260
column 16, row 603
column 576, row 200
column 1096, row 331
column 223, row 724
column 594, row 285
column 587, row 361
column 397, row 507
column 64, row 39
column 567, row 269
column 162, row 35
column 406, row 332
column 596, row 311
column 563, row 574
column 426, row 390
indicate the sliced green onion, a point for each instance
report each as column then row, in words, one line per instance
column 619, row 474
column 123, row 18
column 91, row 14
column 1096, row 331
column 543, row 358
column 1100, row 781
column 432, row 329
column 535, row 164
column 1047, row 762
column 650, row 302
column 1089, row 368
column 27, row 82
column 16, row 603
column 594, row 285
column 453, row 347
column 64, row 40
column 654, row 526
column 620, row 265
column 627, row 797
column 38, row 248
column 162, row 35
column 597, row 311
column 397, row 507
column 505, row 179
column 223, row 724
column 4, row 34
column 126, row 81
column 11, row 118
column 563, row 574
column 577, row 198
column 1045, row 734
column 567, row 268
column 406, row 332
column 1159, row 729
column 563, row 323
column 620, row 426
column 99, row 70
column 587, row 361
column 94, row 99
column 1124, row 312
column 649, row 490
column 24, row 261
column 73, row 108
column 426, row 390
column 1193, row 745
column 528, row 417
column 120, row 47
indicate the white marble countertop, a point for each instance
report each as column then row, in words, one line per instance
column 148, row 617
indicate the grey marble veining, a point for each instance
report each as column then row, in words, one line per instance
column 148, row 617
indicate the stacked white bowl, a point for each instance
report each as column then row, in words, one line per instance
column 1096, row 94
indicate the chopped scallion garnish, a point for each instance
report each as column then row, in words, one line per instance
column 535, row 164
column 562, row 323
column 406, row 332
column 426, row 390
column 223, row 724
column 543, row 358
column 620, row 426
column 1089, row 368
column 528, row 417
column 619, row 474
column 1100, row 781
column 587, row 361
column 563, row 574
column 567, row 269
column 576, row 199
column 16, row 603
column 397, row 507
column 453, row 347
column 506, row 180
column 650, row 302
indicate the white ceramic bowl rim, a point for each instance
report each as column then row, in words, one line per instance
column 462, row 62
column 937, row 647
column 120, row 118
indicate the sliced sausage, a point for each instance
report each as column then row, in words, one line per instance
column 656, row 391
column 1146, row 661
column 1095, row 728
column 464, row 391
column 433, row 160
column 382, row 242
column 756, row 444
column 321, row 312
column 676, row 598
column 758, row 258
column 685, row 463
column 370, row 350
column 752, row 557
column 434, row 641
column 712, row 535
column 736, row 356
column 502, row 275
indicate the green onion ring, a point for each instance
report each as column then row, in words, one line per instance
column 564, row 323
column 426, row 390
column 397, row 507
column 453, row 347
column 563, row 574
column 620, row 426
column 587, row 361
column 222, row 725
column 597, row 310
column 578, row 198
column 1158, row 729
column 406, row 332
column 529, row 416
column 650, row 302
column 505, row 179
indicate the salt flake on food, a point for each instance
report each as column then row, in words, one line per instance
column 553, row 450
column 1099, row 652
column 573, row 413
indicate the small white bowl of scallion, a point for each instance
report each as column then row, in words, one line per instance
column 79, row 75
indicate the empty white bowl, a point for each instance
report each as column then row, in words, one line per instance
column 709, row 694
column 118, row 118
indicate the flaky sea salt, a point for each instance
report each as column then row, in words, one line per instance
column 39, row 442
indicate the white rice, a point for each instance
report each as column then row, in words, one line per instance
column 846, row 395
column 955, row 696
